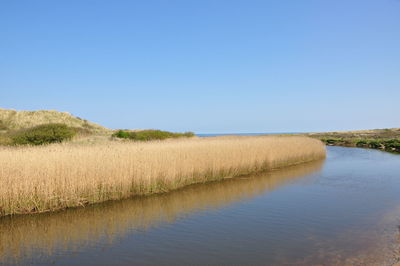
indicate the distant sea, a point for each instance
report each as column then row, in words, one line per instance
column 242, row 134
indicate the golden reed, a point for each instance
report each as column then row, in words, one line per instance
column 47, row 178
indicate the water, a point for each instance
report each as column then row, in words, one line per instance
column 341, row 211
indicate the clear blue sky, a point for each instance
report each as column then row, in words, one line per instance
column 206, row 66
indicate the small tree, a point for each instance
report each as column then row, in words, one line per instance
column 43, row 134
column 122, row 134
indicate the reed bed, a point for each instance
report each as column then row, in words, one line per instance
column 47, row 178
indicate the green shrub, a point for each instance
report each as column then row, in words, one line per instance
column 122, row 134
column 392, row 142
column 392, row 145
column 43, row 134
column 361, row 143
column 331, row 140
column 152, row 134
column 374, row 144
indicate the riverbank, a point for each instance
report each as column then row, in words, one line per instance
column 381, row 139
column 59, row 176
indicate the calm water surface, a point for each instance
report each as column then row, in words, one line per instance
column 341, row 211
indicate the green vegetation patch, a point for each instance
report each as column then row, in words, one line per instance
column 43, row 134
column 331, row 141
column 338, row 141
column 361, row 143
column 152, row 134
column 391, row 145
column 374, row 144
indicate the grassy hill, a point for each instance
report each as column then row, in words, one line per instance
column 15, row 120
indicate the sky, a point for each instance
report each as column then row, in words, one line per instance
column 209, row 66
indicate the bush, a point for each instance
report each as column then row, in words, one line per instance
column 361, row 143
column 152, row 134
column 122, row 134
column 331, row 141
column 374, row 144
column 392, row 145
column 43, row 134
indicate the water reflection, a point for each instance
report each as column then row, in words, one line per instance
column 22, row 237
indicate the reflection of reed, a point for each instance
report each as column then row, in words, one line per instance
column 76, row 228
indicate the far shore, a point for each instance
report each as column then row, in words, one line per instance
column 381, row 139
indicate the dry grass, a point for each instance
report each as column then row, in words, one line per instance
column 37, row 179
column 15, row 120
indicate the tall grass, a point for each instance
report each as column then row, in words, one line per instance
column 45, row 178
